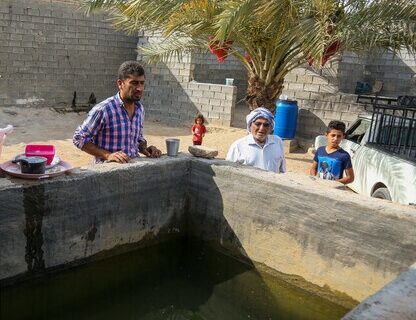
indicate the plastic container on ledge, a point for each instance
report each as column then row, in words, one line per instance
column 41, row 150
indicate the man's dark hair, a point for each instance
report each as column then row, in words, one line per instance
column 128, row 68
column 337, row 125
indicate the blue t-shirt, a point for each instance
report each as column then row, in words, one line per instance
column 331, row 166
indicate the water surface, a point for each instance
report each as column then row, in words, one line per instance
column 169, row 281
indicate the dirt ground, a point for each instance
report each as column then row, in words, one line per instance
column 43, row 125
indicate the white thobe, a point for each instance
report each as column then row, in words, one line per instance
column 270, row 157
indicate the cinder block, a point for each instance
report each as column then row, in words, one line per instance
column 208, row 94
column 290, row 145
column 323, row 105
column 182, row 98
column 204, row 86
column 27, row 25
column 226, row 103
column 311, row 87
column 348, row 98
column 302, row 95
column 332, row 115
column 307, row 79
column 215, row 88
column 206, row 107
column 215, row 102
column 295, row 86
column 184, row 72
column 193, row 85
column 219, row 95
column 298, row 71
column 290, row 93
column 218, row 109
column 319, row 80
column 15, row 50
column 4, row 56
column 290, row 77
column 204, row 100
column 347, row 116
column 356, row 108
column 213, row 115
column 308, row 104
column 48, row 20
column 197, row 93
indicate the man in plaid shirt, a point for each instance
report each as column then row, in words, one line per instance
column 113, row 130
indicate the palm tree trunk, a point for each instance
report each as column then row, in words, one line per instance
column 260, row 94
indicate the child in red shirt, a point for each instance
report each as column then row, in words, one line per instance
column 198, row 130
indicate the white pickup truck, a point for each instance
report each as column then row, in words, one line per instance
column 378, row 172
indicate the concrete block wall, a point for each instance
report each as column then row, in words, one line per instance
column 49, row 49
column 209, row 70
column 398, row 73
column 350, row 70
column 328, row 94
column 319, row 99
column 172, row 96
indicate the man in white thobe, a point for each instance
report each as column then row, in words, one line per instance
column 260, row 148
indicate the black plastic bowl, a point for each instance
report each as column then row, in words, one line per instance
column 32, row 165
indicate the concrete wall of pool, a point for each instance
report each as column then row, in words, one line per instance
column 332, row 238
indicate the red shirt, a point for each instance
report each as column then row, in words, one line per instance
column 198, row 130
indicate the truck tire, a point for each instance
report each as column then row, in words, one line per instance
column 382, row 193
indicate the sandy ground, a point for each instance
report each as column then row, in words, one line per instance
column 43, row 125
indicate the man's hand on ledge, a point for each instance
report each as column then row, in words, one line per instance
column 118, row 156
column 152, row 152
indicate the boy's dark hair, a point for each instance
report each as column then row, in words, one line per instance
column 128, row 68
column 337, row 125
column 199, row 116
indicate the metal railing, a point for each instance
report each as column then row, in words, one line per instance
column 374, row 99
column 393, row 129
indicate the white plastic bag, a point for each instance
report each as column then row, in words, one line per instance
column 3, row 133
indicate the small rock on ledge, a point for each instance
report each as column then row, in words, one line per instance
column 203, row 152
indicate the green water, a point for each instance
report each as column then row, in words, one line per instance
column 170, row 281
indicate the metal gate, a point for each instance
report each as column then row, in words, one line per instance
column 393, row 127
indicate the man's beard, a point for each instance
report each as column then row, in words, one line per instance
column 130, row 99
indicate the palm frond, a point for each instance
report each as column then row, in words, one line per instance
column 277, row 35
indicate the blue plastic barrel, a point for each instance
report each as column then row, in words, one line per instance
column 286, row 118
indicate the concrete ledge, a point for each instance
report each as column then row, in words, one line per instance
column 295, row 225
column 395, row 301
column 49, row 223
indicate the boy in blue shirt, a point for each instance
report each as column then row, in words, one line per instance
column 330, row 162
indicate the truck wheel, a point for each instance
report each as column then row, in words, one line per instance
column 382, row 193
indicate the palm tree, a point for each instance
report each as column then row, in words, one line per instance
column 269, row 37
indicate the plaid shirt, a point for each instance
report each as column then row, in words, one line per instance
column 108, row 126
